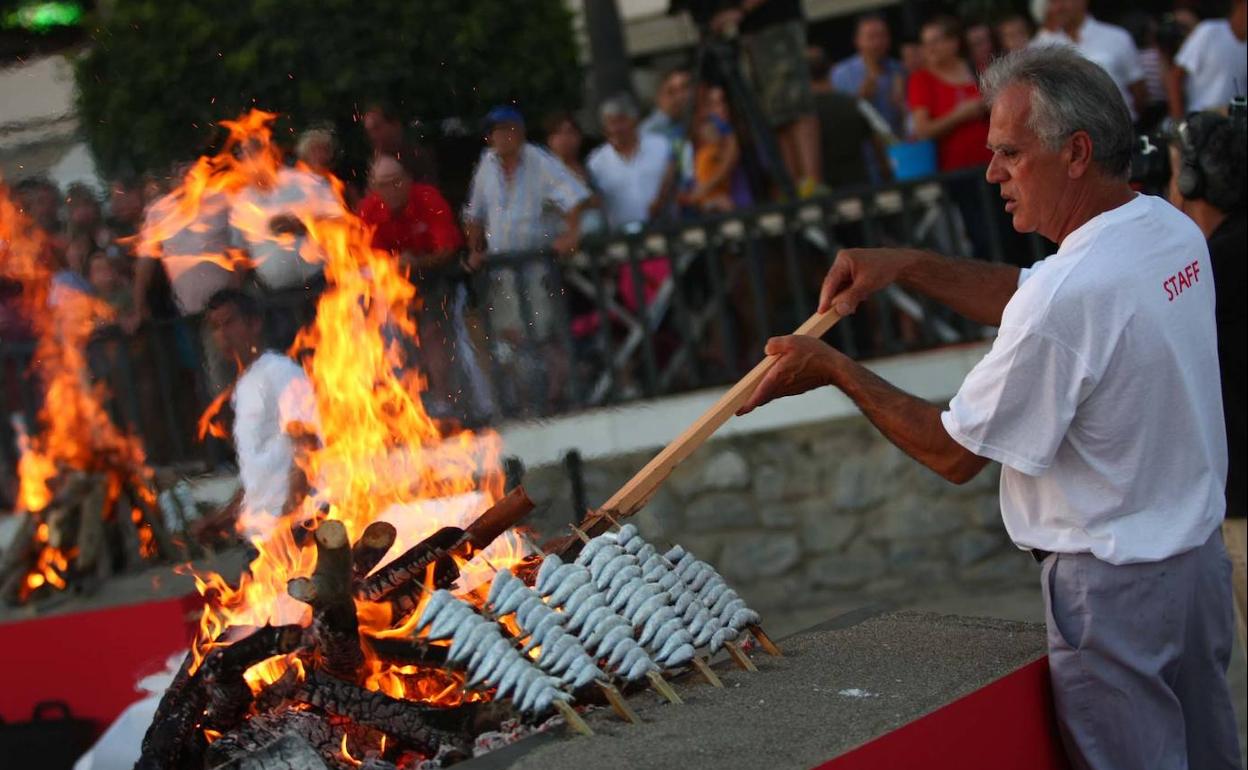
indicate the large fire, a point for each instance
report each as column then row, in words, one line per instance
column 380, row 456
column 75, row 432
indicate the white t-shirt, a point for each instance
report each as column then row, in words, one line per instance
column 1216, row 63
column 1109, row 46
column 271, row 394
column 630, row 185
column 1101, row 396
column 283, row 261
column 192, row 252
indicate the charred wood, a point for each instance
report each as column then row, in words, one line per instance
column 18, row 558
column 334, row 622
column 408, row 652
column 407, row 722
column 371, row 547
column 229, row 695
column 289, row 752
column 410, row 565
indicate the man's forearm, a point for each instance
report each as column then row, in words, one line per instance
column 972, row 288
column 909, row 422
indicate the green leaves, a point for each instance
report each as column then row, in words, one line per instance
column 159, row 75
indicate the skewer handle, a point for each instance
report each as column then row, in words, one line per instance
column 618, row 704
column 573, row 718
column 641, row 487
column 739, row 656
column 707, row 673
column 662, row 687
column 765, row 641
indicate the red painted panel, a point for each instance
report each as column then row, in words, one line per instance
column 1008, row 725
column 90, row 660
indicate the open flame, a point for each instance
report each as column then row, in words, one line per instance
column 380, row 456
column 75, row 430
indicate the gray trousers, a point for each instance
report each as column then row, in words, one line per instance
column 1138, row 656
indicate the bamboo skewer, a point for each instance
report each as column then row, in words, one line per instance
column 574, row 719
column 642, row 486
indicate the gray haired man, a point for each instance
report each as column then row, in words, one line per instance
column 1100, row 398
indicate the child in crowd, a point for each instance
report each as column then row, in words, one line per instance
column 108, row 283
column 714, row 159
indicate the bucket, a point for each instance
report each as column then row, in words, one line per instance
column 911, row 160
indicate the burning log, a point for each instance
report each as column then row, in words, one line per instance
column 289, row 752
column 286, row 738
column 334, row 621
column 152, row 514
column 92, row 561
column 229, row 696
column 406, row 721
column 18, row 559
column 411, row 564
column 371, row 547
column 408, row 652
column 173, row 738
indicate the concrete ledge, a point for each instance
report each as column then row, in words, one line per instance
column 612, row 431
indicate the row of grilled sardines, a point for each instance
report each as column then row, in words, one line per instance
column 621, row 606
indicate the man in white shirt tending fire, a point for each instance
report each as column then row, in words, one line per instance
column 274, row 414
column 1100, row 398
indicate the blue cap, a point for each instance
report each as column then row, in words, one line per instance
column 503, row 114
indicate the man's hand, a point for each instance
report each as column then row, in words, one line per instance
column 970, row 109
column 857, row 274
column 802, row 364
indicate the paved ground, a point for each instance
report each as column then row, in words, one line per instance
column 835, row 689
column 1018, row 604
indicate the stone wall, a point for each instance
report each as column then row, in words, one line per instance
column 823, row 513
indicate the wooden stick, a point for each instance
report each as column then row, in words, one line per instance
column 710, row 676
column 661, row 686
column 765, row 641
column 573, row 718
column 618, row 704
column 580, row 533
column 739, row 656
column 642, row 486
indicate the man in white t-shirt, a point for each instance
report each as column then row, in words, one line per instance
column 275, row 415
column 1211, row 66
column 1068, row 22
column 633, row 170
column 1100, row 398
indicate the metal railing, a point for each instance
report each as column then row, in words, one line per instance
column 675, row 307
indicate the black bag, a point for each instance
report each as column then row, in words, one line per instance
column 53, row 739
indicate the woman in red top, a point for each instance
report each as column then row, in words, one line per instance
column 946, row 107
column 944, row 98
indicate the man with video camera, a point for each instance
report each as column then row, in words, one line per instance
column 1207, row 180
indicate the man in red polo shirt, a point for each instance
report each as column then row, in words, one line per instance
column 415, row 222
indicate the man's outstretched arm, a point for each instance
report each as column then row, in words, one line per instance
column 911, row 423
column 972, row 288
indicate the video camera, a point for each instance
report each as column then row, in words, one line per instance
column 1150, row 162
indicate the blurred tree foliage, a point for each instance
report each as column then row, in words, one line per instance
column 160, row 73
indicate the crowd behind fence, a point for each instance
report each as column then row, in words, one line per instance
column 664, row 310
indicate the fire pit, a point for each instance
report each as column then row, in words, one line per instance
column 86, row 494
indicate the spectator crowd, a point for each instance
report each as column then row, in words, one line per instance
column 856, row 122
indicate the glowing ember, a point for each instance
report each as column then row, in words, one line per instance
column 380, row 457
